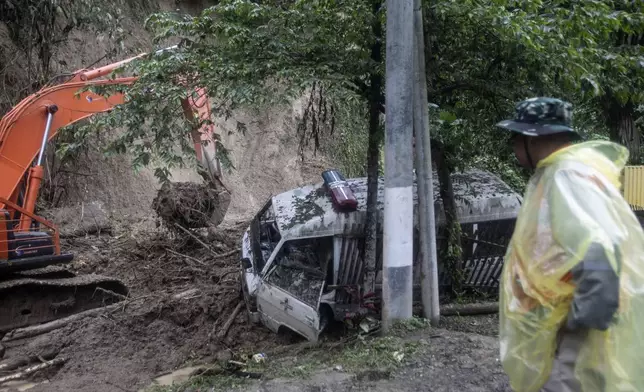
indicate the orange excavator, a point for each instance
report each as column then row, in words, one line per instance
column 34, row 286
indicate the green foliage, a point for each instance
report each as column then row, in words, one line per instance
column 402, row 328
column 158, row 140
column 559, row 42
column 348, row 146
column 381, row 354
column 485, row 56
column 248, row 55
column 482, row 58
column 39, row 27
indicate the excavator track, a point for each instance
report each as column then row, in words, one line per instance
column 43, row 295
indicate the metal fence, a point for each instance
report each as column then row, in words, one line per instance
column 633, row 186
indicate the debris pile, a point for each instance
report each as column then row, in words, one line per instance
column 184, row 304
column 190, row 205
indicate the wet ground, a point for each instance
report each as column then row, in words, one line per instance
column 182, row 294
column 424, row 359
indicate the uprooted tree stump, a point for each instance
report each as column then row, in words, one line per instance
column 190, row 204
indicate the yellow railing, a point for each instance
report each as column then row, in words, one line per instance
column 633, row 186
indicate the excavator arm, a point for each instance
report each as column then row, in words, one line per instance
column 30, row 125
column 26, row 129
column 33, row 289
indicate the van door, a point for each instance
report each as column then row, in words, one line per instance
column 289, row 294
column 280, row 308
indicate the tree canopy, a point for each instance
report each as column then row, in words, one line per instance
column 482, row 57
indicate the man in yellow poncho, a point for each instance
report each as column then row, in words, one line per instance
column 572, row 287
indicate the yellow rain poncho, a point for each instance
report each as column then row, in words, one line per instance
column 572, row 203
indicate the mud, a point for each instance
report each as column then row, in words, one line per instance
column 447, row 361
column 155, row 331
column 190, row 204
column 180, row 296
column 80, row 219
column 440, row 360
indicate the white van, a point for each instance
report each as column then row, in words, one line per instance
column 302, row 262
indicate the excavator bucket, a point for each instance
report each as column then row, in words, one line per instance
column 193, row 205
column 33, row 288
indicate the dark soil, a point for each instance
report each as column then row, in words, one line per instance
column 190, row 205
column 437, row 360
column 487, row 325
column 180, row 296
column 447, row 361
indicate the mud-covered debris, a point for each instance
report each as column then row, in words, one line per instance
column 190, row 204
column 81, row 219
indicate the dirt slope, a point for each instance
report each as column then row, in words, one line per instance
column 266, row 158
column 180, row 297
column 156, row 331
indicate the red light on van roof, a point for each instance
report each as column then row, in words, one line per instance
column 342, row 196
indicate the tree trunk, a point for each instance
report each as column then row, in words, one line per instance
column 620, row 120
column 452, row 252
column 373, row 155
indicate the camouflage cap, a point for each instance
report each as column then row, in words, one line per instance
column 541, row 116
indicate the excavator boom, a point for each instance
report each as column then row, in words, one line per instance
column 25, row 130
column 33, row 287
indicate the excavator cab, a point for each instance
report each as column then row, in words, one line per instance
column 31, row 249
column 34, row 286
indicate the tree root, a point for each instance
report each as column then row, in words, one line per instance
column 222, row 333
column 31, row 370
column 12, row 364
column 190, row 204
column 27, row 332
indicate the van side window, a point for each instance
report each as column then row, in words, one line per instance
column 269, row 236
column 300, row 268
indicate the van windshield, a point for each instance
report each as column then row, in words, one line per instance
column 301, row 267
column 266, row 235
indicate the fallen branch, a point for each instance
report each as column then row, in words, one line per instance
column 40, row 329
column 31, row 370
column 220, row 278
column 208, row 248
column 188, row 294
column 112, row 293
column 469, row 309
column 12, row 364
column 221, row 256
column 196, row 239
column 185, row 256
column 230, row 321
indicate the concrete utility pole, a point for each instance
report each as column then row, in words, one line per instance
column 424, row 174
column 398, row 210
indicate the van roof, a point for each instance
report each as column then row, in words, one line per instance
column 308, row 212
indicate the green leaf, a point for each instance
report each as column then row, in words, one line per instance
column 447, row 117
